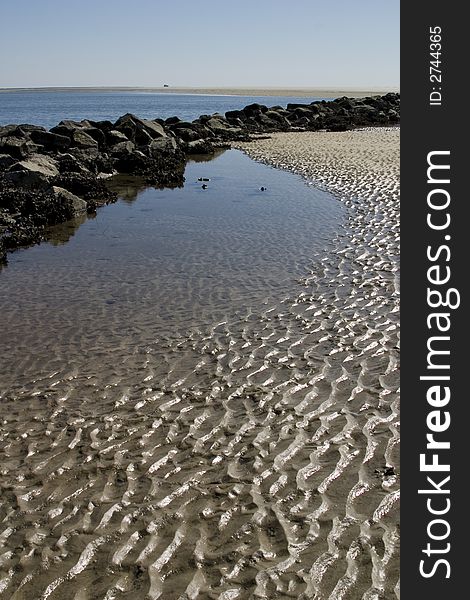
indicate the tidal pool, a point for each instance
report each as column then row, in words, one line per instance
column 158, row 263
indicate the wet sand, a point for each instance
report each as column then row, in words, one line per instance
column 255, row 458
column 220, row 91
column 360, row 314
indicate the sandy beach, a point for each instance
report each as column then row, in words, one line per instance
column 360, row 314
column 255, row 458
column 219, row 91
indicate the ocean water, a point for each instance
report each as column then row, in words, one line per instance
column 48, row 108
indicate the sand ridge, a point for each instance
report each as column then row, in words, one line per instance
column 303, row 92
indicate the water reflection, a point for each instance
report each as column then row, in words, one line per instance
column 61, row 234
column 127, row 187
column 202, row 158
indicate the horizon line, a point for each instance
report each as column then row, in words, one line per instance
column 325, row 91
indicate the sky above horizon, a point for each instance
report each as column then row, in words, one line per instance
column 203, row 43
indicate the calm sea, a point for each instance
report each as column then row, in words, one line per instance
column 48, row 108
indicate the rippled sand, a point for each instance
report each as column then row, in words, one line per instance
column 252, row 459
column 356, row 302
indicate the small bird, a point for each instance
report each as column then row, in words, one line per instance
column 262, row 189
column 204, row 186
column 203, row 179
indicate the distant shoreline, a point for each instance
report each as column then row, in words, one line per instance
column 217, row 91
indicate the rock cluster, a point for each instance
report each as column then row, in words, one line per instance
column 337, row 115
column 47, row 177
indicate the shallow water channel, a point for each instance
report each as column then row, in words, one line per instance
column 158, row 263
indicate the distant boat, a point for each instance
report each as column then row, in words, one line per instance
column 165, row 85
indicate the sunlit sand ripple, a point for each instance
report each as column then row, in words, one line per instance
column 257, row 458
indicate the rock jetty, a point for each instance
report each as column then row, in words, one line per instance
column 50, row 176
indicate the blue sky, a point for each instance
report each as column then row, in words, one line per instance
column 309, row 43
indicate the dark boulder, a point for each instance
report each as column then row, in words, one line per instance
column 224, row 129
column 166, row 145
column 189, row 132
column 86, row 157
column 9, row 130
column 6, row 161
column 37, row 163
column 304, row 117
column 68, row 163
column 85, row 186
column 139, row 131
column 19, row 131
column 52, row 142
column 98, row 135
column 301, row 124
column 292, row 106
column 24, row 213
column 336, row 123
column 300, row 111
column 113, row 137
column 199, row 147
column 167, row 170
column 17, row 147
column 92, row 160
column 103, row 126
column 77, row 205
column 315, row 108
column 344, row 102
column 120, row 148
column 131, row 161
column 172, row 121
column 82, row 139
column 81, row 134
column 67, row 127
column 28, row 180
column 239, row 116
column 253, row 109
column 278, row 118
